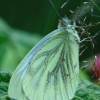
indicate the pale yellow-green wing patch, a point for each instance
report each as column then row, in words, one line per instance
column 50, row 70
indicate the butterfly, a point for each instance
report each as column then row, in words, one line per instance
column 50, row 70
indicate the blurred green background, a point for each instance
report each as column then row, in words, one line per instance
column 24, row 22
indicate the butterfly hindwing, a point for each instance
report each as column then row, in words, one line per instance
column 49, row 74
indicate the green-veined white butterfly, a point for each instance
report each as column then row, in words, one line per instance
column 50, row 70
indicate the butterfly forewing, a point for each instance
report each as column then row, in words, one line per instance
column 50, row 70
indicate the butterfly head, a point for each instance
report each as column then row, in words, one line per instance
column 65, row 23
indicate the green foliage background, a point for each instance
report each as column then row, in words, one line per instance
column 23, row 23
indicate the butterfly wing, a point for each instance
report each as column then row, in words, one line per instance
column 49, row 71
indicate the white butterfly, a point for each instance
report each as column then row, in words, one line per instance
column 50, row 70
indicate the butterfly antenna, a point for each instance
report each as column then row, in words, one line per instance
column 55, row 8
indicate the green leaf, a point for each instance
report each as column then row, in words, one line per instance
column 87, row 91
column 4, row 82
column 14, row 45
